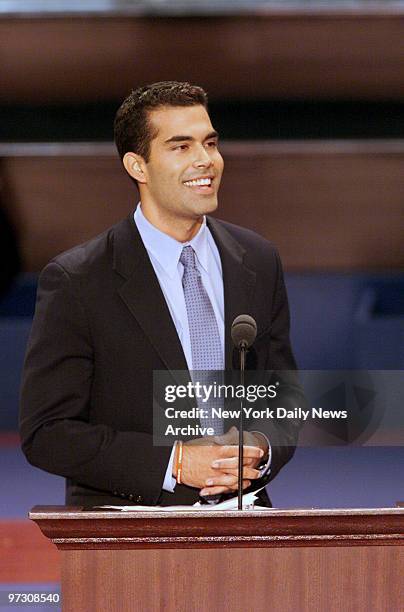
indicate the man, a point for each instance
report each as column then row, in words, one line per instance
column 158, row 291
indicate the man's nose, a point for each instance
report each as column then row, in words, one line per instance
column 202, row 158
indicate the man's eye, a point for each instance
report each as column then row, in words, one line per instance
column 182, row 147
column 212, row 143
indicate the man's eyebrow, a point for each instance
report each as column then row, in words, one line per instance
column 181, row 138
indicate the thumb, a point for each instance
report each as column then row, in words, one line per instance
column 230, row 437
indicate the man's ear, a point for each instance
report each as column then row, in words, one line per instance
column 135, row 166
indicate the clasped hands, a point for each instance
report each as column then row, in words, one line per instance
column 211, row 464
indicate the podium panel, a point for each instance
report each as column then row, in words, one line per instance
column 278, row 560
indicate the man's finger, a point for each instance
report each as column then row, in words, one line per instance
column 231, row 462
column 227, row 480
column 248, row 472
column 218, row 490
column 232, row 451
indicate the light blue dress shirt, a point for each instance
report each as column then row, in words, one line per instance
column 164, row 253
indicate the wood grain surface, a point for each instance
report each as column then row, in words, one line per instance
column 281, row 580
column 75, row 528
column 228, row 560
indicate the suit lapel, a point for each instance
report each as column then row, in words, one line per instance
column 238, row 281
column 142, row 294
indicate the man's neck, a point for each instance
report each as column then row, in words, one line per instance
column 181, row 229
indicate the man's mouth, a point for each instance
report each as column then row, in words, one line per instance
column 201, row 182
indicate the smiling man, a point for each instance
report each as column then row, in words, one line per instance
column 180, row 179
column 158, row 291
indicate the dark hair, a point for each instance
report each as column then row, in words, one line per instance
column 132, row 129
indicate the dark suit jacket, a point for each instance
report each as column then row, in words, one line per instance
column 101, row 328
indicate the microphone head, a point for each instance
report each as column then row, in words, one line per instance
column 243, row 331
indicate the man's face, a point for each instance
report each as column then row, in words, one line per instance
column 182, row 176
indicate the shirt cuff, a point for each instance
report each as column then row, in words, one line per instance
column 265, row 468
column 169, row 480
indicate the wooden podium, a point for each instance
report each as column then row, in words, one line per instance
column 197, row 561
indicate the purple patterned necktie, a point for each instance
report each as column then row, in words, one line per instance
column 206, row 347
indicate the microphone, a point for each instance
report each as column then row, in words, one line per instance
column 243, row 331
column 243, row 334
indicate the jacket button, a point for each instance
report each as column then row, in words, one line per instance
column 139, row 498
column 130, row 497
column 114, row 492
column 123, row 494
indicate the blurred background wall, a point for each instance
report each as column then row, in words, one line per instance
column 308, row 99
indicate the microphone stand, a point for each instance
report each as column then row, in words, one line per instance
column 243, row 352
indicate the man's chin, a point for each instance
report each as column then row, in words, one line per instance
column 208, row 205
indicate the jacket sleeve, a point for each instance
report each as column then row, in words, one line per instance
column 55, row 414
column 281, row 433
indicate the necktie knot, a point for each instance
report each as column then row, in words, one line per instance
column 187, row 257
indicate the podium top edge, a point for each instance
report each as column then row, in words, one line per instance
column 78, row 513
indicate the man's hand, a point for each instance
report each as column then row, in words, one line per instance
column 227, row 467
column 203, row 460
column 249, row 439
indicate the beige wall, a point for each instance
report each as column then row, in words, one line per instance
column 335, row 205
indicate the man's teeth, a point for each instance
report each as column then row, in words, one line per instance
column 198, row 182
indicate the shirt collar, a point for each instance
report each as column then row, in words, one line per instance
column 166, row 250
